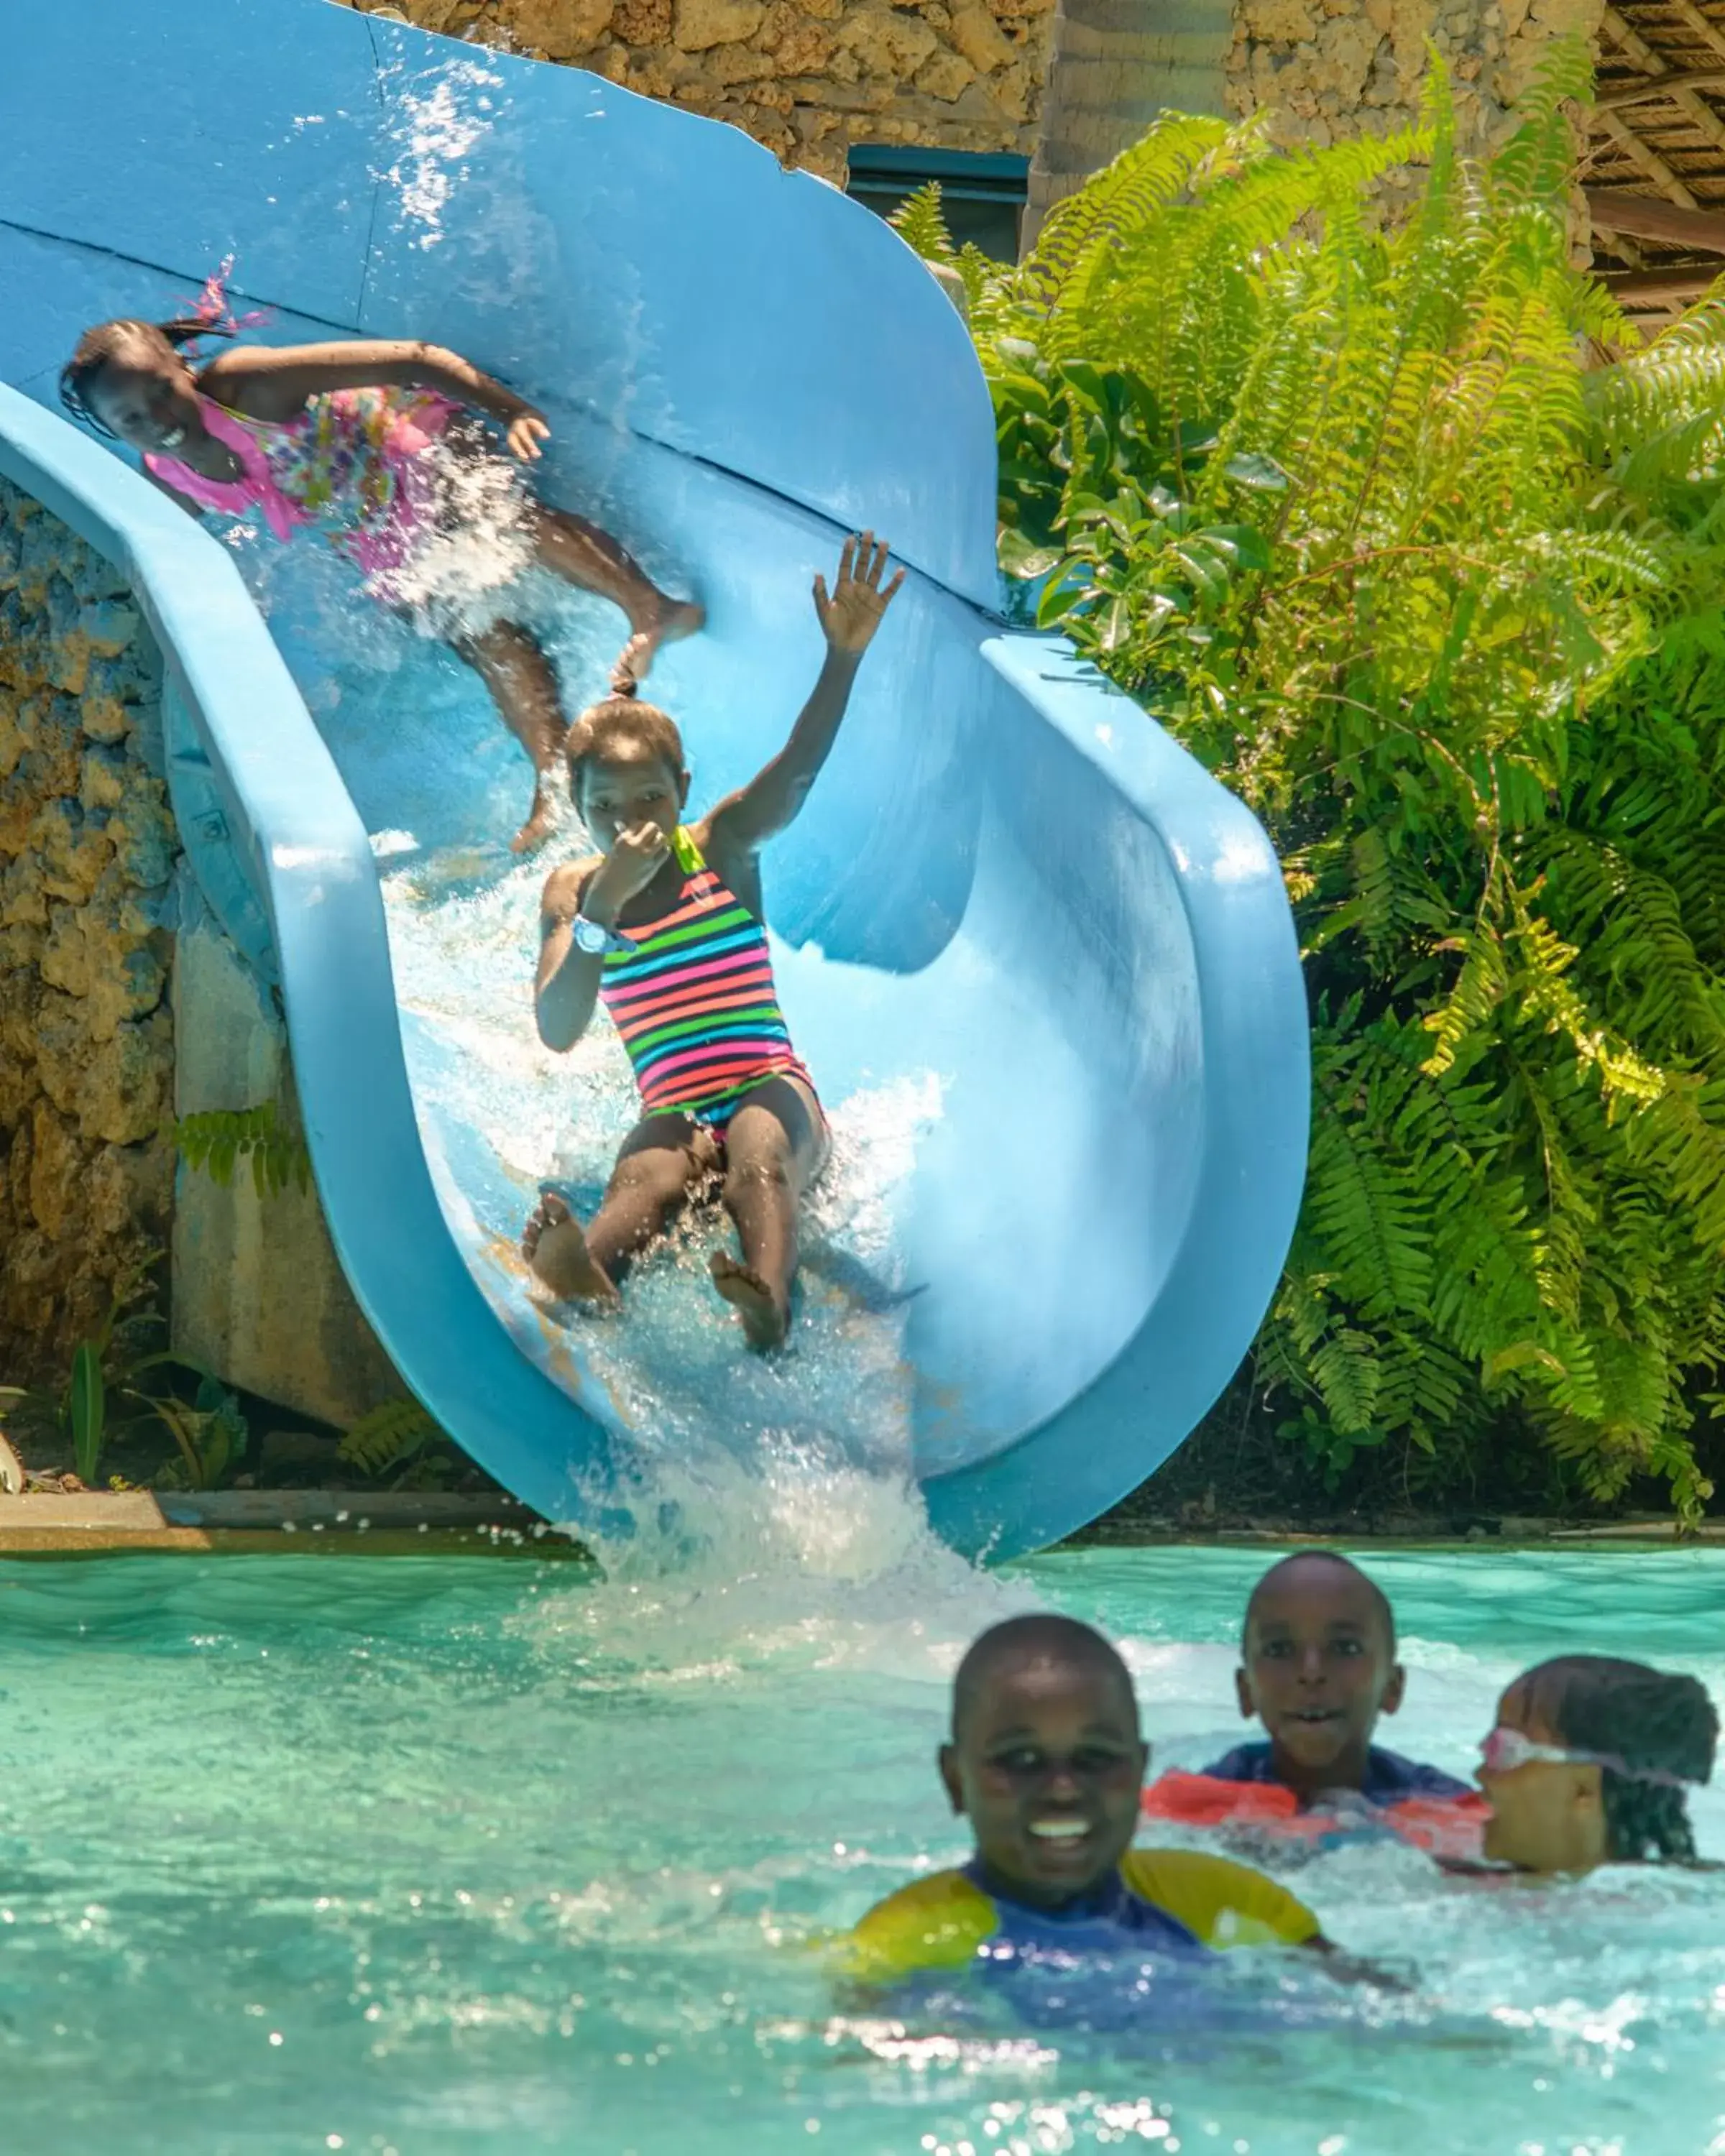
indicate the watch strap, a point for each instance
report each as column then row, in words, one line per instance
column 614, row 939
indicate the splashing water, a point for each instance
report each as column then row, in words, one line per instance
column 471, row 549
column 808, row 1453
column 839, row 1402
column 440, row 128
column 490, row 1858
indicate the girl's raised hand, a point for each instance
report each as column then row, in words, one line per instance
column 851, row 612
column 525, row 432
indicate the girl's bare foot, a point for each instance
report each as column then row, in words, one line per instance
column 765, row 1321
column 670, row 621
column 541, row 822
column 554, row 1246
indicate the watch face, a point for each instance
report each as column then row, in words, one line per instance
column 590, row 935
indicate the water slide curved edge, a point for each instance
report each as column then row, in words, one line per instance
column 1044, row 905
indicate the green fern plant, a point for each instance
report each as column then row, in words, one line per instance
column 921, row 224
column 1348, row 503
column 218, row 1140
column 397, row 1438
column 920, row 221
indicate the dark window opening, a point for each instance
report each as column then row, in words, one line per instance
column 982, row 194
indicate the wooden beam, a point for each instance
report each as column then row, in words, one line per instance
column 1649, row 159
column 1616, row 96
column 1636, row 288
column 1683, row 91
column 1644, row 216
column 1633, row 42
column 1710, row 33
column 1630, row 254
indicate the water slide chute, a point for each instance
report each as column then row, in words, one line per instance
column 1036, row 956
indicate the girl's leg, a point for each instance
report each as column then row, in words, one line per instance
column 773, row 1148
column 662, row 1161
column 593, row 561
column 523, row 684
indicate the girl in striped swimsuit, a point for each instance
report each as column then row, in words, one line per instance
column 667, row 930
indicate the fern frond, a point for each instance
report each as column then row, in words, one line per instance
column 218, row 1139
column 1123, row 195
column 388, row 1437
column 921, row 223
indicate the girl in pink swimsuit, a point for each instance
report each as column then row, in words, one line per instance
column 340, row 436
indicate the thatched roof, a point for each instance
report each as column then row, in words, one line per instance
column 1655, row 170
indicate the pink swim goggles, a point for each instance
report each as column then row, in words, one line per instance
column 1506, row 1749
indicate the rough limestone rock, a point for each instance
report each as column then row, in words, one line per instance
column 886, row 42
column 86, row 855
column 644, row 23
column 701, row 23
column 90, row 1046
column 974, row 33
column 946, row 75
column 1326, row 69
column 562, row 29
column 806, row 78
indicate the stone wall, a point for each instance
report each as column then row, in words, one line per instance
column 1329, row 68
column 87, row 852
column 807, row 77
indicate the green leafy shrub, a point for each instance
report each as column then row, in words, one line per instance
column 118, row 1389
column 919, row 223
column 211, row 1434
column 1405, row 534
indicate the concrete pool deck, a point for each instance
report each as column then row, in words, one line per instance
column 383, row 1523
column 106, row 1522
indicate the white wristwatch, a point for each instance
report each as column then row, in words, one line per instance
column 593, row 936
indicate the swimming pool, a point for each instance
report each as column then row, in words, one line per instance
column 457, row 1857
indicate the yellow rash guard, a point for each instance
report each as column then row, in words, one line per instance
column 1160, row 1901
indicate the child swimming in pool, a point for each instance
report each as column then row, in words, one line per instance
column 369, row 439
column 1589, row 1763
column 667, row 930
column 1318, row 1668
column 1046, row 1760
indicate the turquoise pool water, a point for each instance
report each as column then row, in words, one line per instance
column 476, row 1858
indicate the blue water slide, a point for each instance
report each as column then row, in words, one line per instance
column 1041, row 964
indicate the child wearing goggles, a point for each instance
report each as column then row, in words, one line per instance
column 1591, row 1763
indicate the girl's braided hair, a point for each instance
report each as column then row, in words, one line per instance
column 1661, row 1729
column 108, row 341
column 212, row 316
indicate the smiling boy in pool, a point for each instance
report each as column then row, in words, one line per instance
column 1045, row 1759
column 1318, row 1668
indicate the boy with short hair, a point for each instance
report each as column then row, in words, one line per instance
column 1318, row 1669
column 1046, row 1761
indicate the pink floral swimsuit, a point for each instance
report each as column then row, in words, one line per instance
column 354, row 461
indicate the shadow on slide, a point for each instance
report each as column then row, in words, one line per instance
column 1041, row 965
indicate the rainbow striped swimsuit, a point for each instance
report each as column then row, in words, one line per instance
column 695, row 1001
